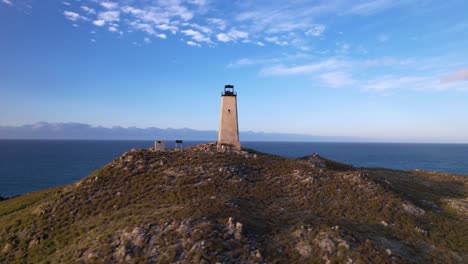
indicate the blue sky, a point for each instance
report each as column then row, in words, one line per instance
column 395, row 70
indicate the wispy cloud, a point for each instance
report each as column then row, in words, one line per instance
column 283, row 24
column 113, row 29
column 110, row 5
column 88, row 10
column 232, row 35
column 99, row 22
column 161, row 36
column 73, row 16
column 276, row 40
column 193, row 43
column 196, row 35
column 109, row 16
column 303, row 69
column 7, row 2
column 316, row 30
column 460, row 75
column 197, row 2
column 372, row 7
column 249, row 62
column 378, row 75
column 217, row 22
column 393, row 82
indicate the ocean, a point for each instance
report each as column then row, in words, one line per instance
column 30, row 165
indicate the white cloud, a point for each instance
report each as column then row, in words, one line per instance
column 196, row 35
column 232, row 35
column 148, row 28
column 93, row 40
column 392, row 82
column 238, row 34
column 153, row 17
column 99, row 22
column 316, row 30
column 285, row 58
column 217, row 22
column 173, row 8
column 132, row 10
column 223, row 37
column 277, row 41
column 88, row 10
column 73, row 16
column 281, row 20
column 171, row 28
column 113, row 29
column 303, row 69
column 461, row 75
column 249, row 62
column 203, row 29
column 161, row 36
column 147, row 40
column 66, row 3
column 109, row 16
column 7, row 2
column 372, row 7
column 163, row 15
column 242, row 62
column 192, row 43
column 250, row 22
column 110, row 5
column 197, row 2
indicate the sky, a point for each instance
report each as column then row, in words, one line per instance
column 385, row 69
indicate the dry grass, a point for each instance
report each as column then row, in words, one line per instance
column 174, row 207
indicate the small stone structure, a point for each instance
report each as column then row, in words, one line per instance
column 228, row 134
column 223, row 147
column 159, row 145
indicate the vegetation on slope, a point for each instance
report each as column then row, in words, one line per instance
column 198, row 205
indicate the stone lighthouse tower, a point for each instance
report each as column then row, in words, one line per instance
column 228, row 135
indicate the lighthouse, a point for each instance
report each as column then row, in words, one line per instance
column 228, row 135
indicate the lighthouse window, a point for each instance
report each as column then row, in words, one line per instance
column 229, row 110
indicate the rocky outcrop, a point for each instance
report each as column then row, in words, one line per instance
column 458, row 204
column 316, row 160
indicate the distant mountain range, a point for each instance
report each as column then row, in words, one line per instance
column 44, row 130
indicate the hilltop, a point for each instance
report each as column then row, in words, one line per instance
column 201, row 206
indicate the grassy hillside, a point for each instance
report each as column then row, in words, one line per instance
column 202, row 206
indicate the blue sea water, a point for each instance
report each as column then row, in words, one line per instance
column 29, row 165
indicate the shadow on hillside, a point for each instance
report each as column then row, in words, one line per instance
column 421, row 186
